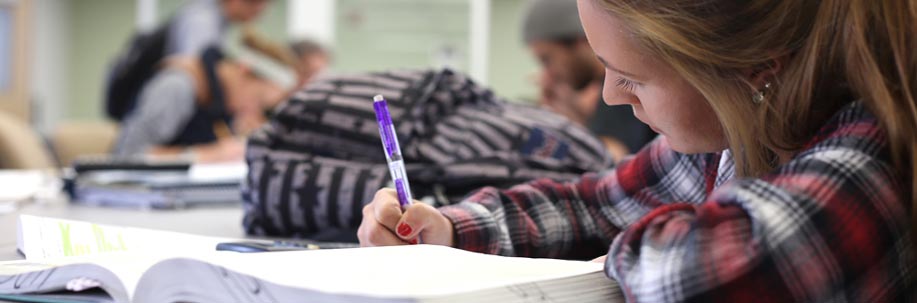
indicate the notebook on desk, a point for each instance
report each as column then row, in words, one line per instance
column 160, row 189
column 416, row 273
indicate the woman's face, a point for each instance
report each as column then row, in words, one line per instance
column 660, row 97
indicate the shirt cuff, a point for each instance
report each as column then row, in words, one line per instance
column 474, row 228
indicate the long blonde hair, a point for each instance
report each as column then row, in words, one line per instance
column 832, row 52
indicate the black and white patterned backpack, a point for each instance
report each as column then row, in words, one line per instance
column 319, row 159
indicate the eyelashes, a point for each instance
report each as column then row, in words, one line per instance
column 626, row 85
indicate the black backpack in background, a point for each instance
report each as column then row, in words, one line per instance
column 132, row 69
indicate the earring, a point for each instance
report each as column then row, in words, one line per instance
column 758, row 96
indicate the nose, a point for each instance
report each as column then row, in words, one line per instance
column 614, row 95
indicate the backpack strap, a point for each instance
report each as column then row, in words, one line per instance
column 210, row 58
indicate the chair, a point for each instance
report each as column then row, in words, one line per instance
column 20, row 146
column 72, row 139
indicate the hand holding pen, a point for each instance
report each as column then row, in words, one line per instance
column 392, row 218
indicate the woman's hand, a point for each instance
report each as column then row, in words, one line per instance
column 385, row 224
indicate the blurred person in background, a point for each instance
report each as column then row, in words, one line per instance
column 312, row 60
column 198, row 107
column 197, row 26
column 306, row 58
column 571, row 77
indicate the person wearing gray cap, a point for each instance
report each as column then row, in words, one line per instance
column 571, row 77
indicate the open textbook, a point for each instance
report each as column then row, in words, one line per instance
column 416, row 273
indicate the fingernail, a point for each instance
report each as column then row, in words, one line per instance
column 404, row 230
column 413, row 241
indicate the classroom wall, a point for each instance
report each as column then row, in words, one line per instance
column 377, row 35
column 49, row 86
column 512, row 68
column 97, row 30
column 407, row 33
column 92, row 32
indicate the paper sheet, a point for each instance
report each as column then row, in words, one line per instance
column 218, row 171
column 20, row 186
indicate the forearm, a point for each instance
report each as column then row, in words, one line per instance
column 224, row 150
column 547, row 218
column 543, row 218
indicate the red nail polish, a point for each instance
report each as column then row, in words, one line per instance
column 404, row 230
column 413, row 241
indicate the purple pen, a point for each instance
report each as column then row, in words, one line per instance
column 392, row 151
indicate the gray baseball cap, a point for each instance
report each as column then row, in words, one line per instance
column 551, row 20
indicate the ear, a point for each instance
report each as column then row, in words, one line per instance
column 764, row 73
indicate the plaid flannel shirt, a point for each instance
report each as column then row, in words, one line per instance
column 831, row 225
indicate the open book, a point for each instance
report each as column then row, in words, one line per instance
column 416, row 273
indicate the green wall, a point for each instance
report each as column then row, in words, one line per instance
column 376, row 35
column 404, row 33
column 405, row 36
column 99, row 28
column 512, row 68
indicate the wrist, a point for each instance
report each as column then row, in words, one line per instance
column 473, row 228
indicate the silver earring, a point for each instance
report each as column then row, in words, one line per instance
column 758, row 96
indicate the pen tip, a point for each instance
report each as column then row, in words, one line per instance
column 378, row 98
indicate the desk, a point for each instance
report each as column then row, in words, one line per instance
column 210, row 221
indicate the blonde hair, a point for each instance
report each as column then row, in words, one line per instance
column 830, row 53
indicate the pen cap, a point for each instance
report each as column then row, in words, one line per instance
column 386, row 129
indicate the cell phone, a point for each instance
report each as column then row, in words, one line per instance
column 270, row 246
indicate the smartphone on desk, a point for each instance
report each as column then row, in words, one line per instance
column 281, row 245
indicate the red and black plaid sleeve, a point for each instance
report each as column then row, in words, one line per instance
column 547, row 218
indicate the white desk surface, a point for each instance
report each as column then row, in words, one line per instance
column 211, row 221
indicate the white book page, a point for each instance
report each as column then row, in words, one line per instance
column 42, row 237
column 414, row 271
column 127, row 268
